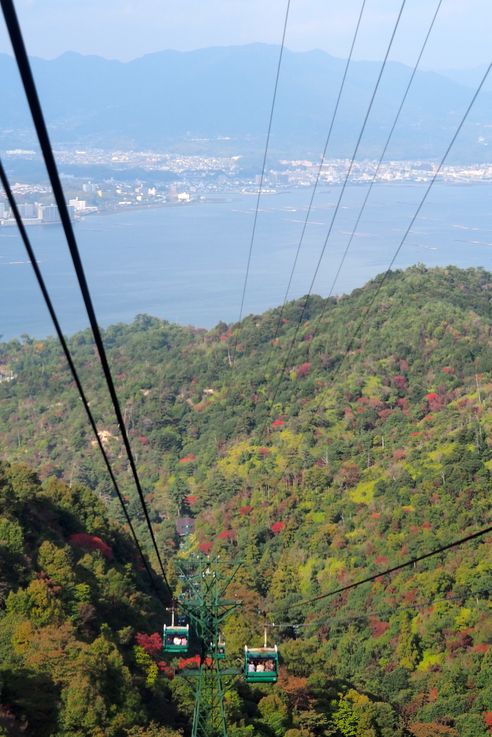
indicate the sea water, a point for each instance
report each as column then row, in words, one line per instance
column 186, row 263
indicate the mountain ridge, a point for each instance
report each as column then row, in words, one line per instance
column 91, row 100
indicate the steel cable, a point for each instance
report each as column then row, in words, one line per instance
column 25, row 71
column 44, row 291
column 262, row 176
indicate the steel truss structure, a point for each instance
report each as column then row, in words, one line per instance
column 207, row 608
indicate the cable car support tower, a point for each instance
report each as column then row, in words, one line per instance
column 207, row 608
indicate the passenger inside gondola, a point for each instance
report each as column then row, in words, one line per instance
column 176, row 640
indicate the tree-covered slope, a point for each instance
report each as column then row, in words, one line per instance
column 72, row 599
column 318, row 456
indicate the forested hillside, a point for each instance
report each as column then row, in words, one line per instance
column 317, row 456
column 72, row 601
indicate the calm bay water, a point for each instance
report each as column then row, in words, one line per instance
column 186, row 263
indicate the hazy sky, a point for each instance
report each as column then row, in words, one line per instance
column 124, row 29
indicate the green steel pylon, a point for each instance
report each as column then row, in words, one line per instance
column 207, row 609
column 209, row 713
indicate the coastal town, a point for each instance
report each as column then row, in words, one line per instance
column 97, row 180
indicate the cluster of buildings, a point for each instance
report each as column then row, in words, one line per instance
column 299, row 172
column 168, row 179
column 35, row 213
column 148, row 160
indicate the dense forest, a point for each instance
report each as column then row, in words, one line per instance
column 317, row 444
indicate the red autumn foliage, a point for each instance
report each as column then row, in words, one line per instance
column 278, row 423
column 188, row 459
column 192, row 662
column 399, row 454
column 191, row 499
column 348, row 474
column 448, row 370
column 415, row 434
column 364, row 403
column 143, row 439
column 400, row 382
column 226, row 535
column 296, row 687
column 381, row 560
column 426, row 526
column 277, row 527
column 90, row 542
column 377, row 626
column 205, row 547
column 431, row 729
column 433, row 694
column 482, row 647
column 462, row 641
column 435, row 401
column 375, row 515
column 166, row 669
column 225, row 336
column 303, row 370
column 385, row 413
column 263, row 452
column 403, row 404
column 243, row 511
column 487, row 717
column 152, row 644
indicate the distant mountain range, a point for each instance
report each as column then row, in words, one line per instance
column 218, row 100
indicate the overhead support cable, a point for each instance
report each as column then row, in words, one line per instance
column 378, row 166
column 25, row 71
column 381, row 282
column 318, row 175
column 44, row 291
column 262, row 176
column 337, row 206
column 393, row 569
column 367, row 613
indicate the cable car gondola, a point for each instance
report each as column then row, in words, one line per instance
column 261, row 663
column 175, row 638
column 218, row 651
